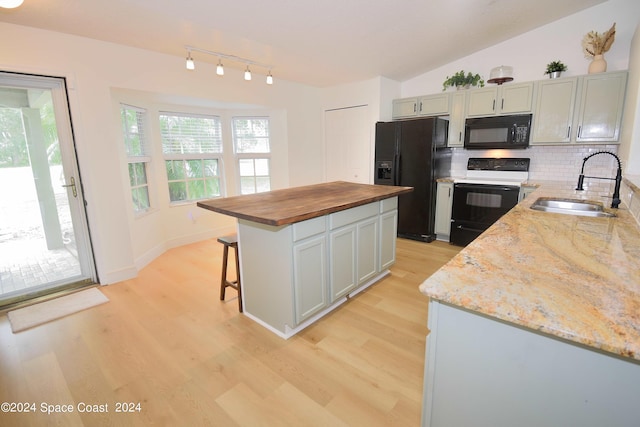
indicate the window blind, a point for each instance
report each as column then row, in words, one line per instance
column 133, row 127
column 190, row 134
column 251, row 134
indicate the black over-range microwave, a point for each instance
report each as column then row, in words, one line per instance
column 498, row 132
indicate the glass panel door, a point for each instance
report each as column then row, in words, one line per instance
column 44, row 239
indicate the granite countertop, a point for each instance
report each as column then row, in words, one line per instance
column 576, row 278
column 290, row 205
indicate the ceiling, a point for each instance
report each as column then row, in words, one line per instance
column 316, row 42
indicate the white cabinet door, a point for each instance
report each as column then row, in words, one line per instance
column 525, row 191
column 554, row 110
column 516, row 98
column 367, row 250
column 310, row 279
column 444, row 201
column 406, row 107
column 434, row 105
column 388, row 234
column 481, row 102
column 601, row 105
column 456, row 119
column 504, row 99
column 342, row 265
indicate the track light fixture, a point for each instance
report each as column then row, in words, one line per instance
column 221, row 56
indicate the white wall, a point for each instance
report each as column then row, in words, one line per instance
column 93, row 70
column 630, row 146
column 529, row 53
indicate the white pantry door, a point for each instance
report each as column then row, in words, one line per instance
column 347, row 134
column 44, row 237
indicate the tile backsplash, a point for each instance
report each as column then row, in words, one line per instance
column 552, row 162
column 548, row 162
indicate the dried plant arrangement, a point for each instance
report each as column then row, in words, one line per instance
column 595, row 43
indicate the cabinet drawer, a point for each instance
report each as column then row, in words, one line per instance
column 352, row 215
column 387, row 205
column 310, row 227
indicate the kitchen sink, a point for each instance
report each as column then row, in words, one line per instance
column 571, row 207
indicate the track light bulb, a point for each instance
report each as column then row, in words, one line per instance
column 269, row 78
column 10, row 4
column 190, row 64
column 220, row 68
column 247, row 74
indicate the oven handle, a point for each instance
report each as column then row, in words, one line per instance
column 462, row 227
column 487, row 187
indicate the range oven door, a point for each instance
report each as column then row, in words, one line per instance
column 476, row 207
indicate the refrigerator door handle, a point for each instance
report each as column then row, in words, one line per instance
column 397, row 169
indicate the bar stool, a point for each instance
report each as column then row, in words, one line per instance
column 230, row 241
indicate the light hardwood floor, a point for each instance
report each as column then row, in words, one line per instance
column 165, row 341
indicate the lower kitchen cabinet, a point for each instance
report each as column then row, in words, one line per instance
column 367, row 249
column 480, row 371
column 310, row 277
column 525, row 190
column 444, row 202
column 342, row 268
column 388, row 233
column 295, row 274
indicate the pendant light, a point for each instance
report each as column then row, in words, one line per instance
column 247, row 74
column 220, row 68
column 269, row 78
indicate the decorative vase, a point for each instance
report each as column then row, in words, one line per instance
column 555, row 74
column 461, row 87
column 598, row 65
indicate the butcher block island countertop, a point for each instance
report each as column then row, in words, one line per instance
column 291, row 205
column 303, row 251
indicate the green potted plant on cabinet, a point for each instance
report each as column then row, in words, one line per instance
column 555, row 68
column 460, row 80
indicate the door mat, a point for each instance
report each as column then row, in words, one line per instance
column 37, row 314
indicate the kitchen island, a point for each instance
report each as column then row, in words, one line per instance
column 305, row 250
column 537, row 323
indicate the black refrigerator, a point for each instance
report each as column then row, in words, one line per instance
column 413, row 153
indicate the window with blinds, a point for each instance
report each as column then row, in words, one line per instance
column 138, row 155
column 253, row 153
column 192, row 147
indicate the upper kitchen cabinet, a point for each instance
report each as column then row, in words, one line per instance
column 601, row 102
column 434, row 105
column 581, row 109
column 405, row 107
column 502, row 99
column 553, row 113
column 429, row 105
column 456, row 119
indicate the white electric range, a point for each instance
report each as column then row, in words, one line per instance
column 490, row 189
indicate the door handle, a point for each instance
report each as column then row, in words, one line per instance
column 73, row 187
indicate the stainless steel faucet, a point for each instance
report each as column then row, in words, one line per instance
column 618, row 179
